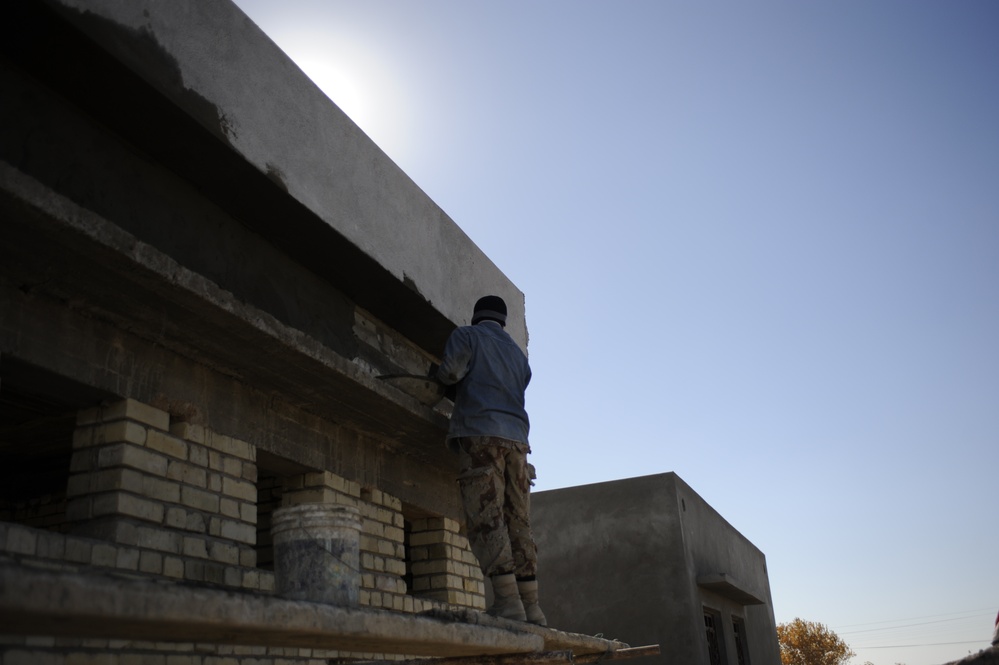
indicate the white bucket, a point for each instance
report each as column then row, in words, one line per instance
column 316, row 553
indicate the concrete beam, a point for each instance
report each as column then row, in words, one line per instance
column 38, row 602
column 202, row 91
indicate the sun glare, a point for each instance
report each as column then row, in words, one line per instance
column 367, row 92
column 339, row 87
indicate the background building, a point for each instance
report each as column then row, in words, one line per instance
column 648, row 561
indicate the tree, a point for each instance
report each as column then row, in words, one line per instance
column 811, row 643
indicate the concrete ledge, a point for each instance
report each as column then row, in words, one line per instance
column 41, row 602
column 210, row 321
column 724, row 585
column 555, row 640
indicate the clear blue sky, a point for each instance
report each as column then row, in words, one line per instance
column 759, row 244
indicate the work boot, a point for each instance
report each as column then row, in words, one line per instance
column 529, row 597
column 506, row 598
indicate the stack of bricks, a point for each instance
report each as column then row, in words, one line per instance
column 382, row 536
column 383, row 553
column 444, row 568
column 181, row 501
column 183, row 496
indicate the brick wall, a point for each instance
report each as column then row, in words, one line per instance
column 173, row 500
column 443, row 566
column 183, row 496
column 44, row 512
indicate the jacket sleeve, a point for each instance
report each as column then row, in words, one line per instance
column 457, row 355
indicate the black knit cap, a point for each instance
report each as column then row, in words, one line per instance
column 491, row 308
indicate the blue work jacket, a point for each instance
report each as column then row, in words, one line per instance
column 491, row 373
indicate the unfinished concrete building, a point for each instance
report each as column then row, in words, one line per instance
column 205, row 266
column 648, row 561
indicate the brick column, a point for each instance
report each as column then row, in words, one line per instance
column 444, row 568
column 183, row 497
column 383, row 552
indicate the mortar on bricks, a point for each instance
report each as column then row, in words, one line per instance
column 317, row 552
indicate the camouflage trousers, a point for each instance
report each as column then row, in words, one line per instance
column 496, row 492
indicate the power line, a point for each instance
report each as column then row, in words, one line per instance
column 908, row 625
column 931, row 616
column 934, row 644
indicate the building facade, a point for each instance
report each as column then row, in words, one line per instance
column 205, row 268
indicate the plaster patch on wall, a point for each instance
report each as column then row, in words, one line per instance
column 141, row 50
column 410, row 284
column 277, row 177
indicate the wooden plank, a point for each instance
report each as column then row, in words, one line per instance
column 538, row 658
column 619, row 654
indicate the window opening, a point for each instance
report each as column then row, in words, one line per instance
column 741, row 650
column 712, row 624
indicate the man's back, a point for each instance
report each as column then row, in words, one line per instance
column 491, row 373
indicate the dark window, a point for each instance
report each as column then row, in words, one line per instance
column 741, row 649
column 712, row 625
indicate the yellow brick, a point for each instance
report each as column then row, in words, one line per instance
column 144, row 413
column 166, row 444
column 239, row 531
column 431, row 538
column 103, row 555
column 173, row 567
column 239, row 489
column 125, row 454
column 298, row 497
column 231, row 446
column 368, row 543
column 115, row 432
column 196, row 547
column 160, row 490
column 248, row 512
column 229, row 507
column 188, row 474
column 395, row 566
column 251, row 579
column 324, row 479
column 120, row 503
column 151, row 562
column 128, row 559
column 195, row 498
column 188, row 432
column 27, row 656
column 21, row 540
column 422, row 568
